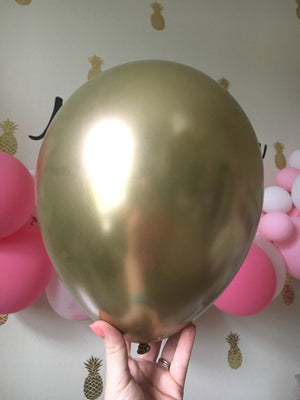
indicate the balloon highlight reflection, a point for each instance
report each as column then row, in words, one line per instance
column 108, row 141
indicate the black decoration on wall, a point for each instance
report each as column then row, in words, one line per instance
column 57, row 104
column 264, row 151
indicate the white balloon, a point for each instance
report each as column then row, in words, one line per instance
column 296, row 192
column 294, row 160
column 61, row 300
column 277, row 199
column 277, row 261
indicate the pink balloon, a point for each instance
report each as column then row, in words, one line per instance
column 253, row 287
column 17, row 197
column 296, row 193
column 25, row 269
column 286, row 176
column 61, row 300
column 294, row 212
column 276, row 226
column 277, row 260
column 290, row 250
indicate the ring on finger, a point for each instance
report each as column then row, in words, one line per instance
column 164, row 363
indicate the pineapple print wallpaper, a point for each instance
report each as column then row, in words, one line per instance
column 96, row 63
column 23, row 2
column 288, row 294
column 235, row 357
column 280, row 160
column 3, row 319
column 249, row 48
column 8, row 141
column 157, row 19
column 224, row 82
column 93, row 384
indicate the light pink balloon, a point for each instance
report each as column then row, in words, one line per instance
column 290, row 250
column 253, row 287
column 61, row 300
column 17, row 198
column 258, row 226
column 276, row 226
column 25, row 269
column 277, row 261
column 296, row 193
column 286, row 176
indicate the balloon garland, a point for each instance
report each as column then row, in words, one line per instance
column 26, row 270
column 25, row 267
column 275, row 250
column 17, row 194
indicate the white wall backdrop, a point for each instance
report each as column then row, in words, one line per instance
column 45, row 48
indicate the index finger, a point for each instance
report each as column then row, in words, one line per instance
column 182, row 355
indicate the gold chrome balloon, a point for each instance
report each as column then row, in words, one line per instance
column 149, row 187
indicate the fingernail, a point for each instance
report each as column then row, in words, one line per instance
column 96, row 328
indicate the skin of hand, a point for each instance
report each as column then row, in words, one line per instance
column 143, row 378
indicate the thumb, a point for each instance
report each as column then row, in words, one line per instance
column 117, row 370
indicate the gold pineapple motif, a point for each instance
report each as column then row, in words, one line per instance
column 235, row 357
column 3, row 318
column 288, row 294
column 8, row 142
column 93, row 384
column 224, row 82
column 280, row 160
column 157, row 20
column 23, row 2
column 97, row 63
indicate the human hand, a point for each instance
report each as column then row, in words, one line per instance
column 144, row 378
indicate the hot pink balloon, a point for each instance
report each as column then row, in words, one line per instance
column 286, row 176
column 25, row 269
column 17, row 197
column 276, row 226
column 61, row 301
column 277, row 261
column 290, row 250
column 253, row 287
